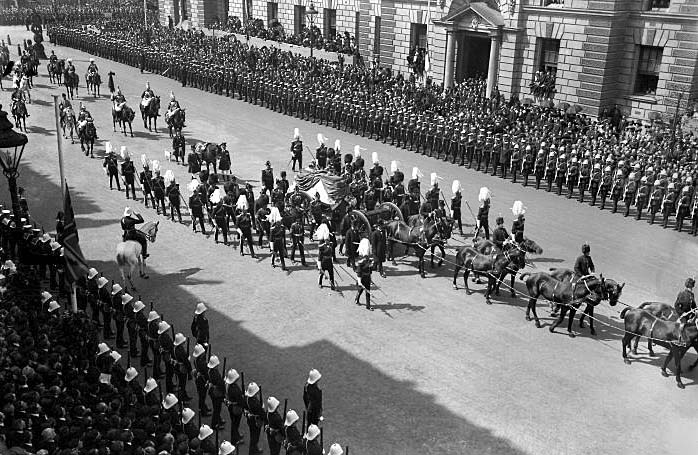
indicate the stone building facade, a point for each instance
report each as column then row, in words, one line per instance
column 639, row 54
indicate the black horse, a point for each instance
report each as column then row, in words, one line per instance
column 87, row 134
column 123, row 118
column 150, row 114
column 209, row 153
column 175, row 122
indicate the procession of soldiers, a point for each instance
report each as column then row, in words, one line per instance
column 637, row 169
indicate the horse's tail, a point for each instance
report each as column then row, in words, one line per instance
column 624, row 311
column 524, row 275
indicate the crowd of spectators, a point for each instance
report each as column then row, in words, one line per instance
column 95, row 13
column 309, row 36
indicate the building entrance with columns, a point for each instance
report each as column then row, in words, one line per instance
column 472, row 55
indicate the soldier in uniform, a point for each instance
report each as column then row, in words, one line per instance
column 274, row 427
column 166, row 346
column 293, row 442
column 254, row 413
column 111, row 166
column 201, row 378
column 561, row 172
column 684, row 207
column 642, row 196
column 321, row 152
column 216, row 389
column 527, row 165
column 550, row 171
column 174, row 196
column 325, row 254
column 158, row 186
column 312, row 446
column 668, row 204
column 199, row 325
column 128, row 170
column 456, row 205
column 595, row 183
column 500, row 234
column 694, row 218
column 584, row 179
column 267, row 178
column 128, row 224
column 296, row 150
column 179, row 145
column 196, row 208
column 235, row 402
column 298, row 237
column 145, row 179
column 572, row 177
column 539, row 168
column 515, row 161
column 181, row 365
column 656, row 200
column 617, row 189
column 364, row 267
column 629, row 193
column 605, row 186
column 277, row 237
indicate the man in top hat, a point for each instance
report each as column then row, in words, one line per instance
column 199, row 325
column 312, row 398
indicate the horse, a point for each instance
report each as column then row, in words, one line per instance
column 175, row 122
column 93, row 81
column 151, row 113
column 493, row 265
column 87, row 134
column 68, row 122
column 123, row 117
column 436, row 233
column 398, row 231
column 567, row 275
column 55, row 71
column 569, row 294
column 129, row 254
column 72, row 82
column 209, row 154
column 19, row 112
column 639, row 322
column 485, row 246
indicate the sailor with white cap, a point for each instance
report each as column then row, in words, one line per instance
column 255, row 415
column 199, row 325
column 296, row 150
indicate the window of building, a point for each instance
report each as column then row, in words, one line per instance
column 298, row 18
column 418, row 36
column 549, row 51
column 553, row 2
column 658, row 4
column 647, row 76
column 377, row 36
column 330, row 22
column 272, row 13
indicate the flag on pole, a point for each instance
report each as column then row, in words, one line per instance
column 75, row 263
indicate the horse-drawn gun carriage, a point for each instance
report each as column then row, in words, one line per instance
column 365, row 220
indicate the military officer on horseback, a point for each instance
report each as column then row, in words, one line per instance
column 685, row 305
column 119, row 100
column 147, row 96
column 584, row 265
column 84, row 115
column 172, row 108
column 92, row 69
column 128, row 224
column 70, row 68
column 500, row 235
column 53, row 58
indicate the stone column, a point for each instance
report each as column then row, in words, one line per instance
column 495, row 43
column 450, row 57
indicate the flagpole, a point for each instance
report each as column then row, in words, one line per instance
column 57, row 114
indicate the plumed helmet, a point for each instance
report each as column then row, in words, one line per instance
column 455, row 186
column 394, row 166
column 296, row 133
column 484, row 195
column 416, row 173
column 242, row 203
column 518, row 208
column 274, row 216
column 169, row 177
column 144, row 160
column 172, row 97
column 434, row 178
column 364, row 247
column 193, row 185
column 321, row 139
column 357, row 151
column 322, row 232
column 337, row 145
column 374, row 157
column 216, row 196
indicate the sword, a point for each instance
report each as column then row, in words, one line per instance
column 471, row 211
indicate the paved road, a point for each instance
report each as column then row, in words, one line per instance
column 431, row 371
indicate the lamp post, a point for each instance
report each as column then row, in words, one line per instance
column 11, row 150
column 311, row 14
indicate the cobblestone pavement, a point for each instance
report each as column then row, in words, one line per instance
column 431, row 371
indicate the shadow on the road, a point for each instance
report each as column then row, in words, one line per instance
column 34, row 129
column 41, row 102
column 537, row 259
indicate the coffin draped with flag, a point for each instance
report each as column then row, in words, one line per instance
column 331, row 188
column 76, row 266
